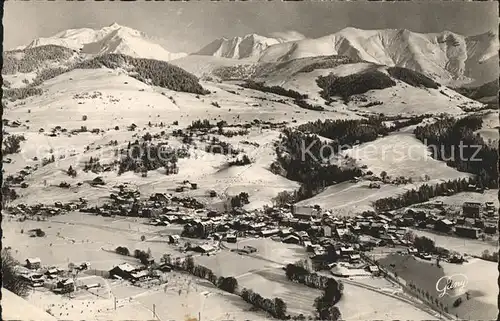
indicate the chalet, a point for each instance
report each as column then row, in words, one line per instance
column 213, row 214
column 291, row 239
column 471, row 209
column 490, row 206
column 159, row 222
column 490, row 212
column 327, row 231
column 97, row 181
column 346, row 251
column 354, row 258
column 490, row 229
column 65, row 286
column 165, row 267
column 341, row 232
column 412, row 250
column 161, row 198
column 373, row 269
column 479, row 223
column 302, row 235
column 52, row 273
column 173, row 239
column 388, row 239
column 285, row 232
column 204, row 248
column 443, row 225
column 122, row 271
column 304, row 212
column 35, row 279
column 36, row 232
column 269, row 232
column 33, row 263
column 231, row 238
column 369, row 241
column 377, row 228
column 469, row 232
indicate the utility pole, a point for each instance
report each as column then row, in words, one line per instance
column 199, row 316
column 115, row 301
column 154, row 313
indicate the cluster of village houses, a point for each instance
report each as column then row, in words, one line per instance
column 310, row 227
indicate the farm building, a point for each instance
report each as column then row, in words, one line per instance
column 291, row 239
column 443, row 226
column 471, row 209
column 327, row 231
column 123, row 271
column 304, row 212
column 33, row 263
column 231, row 238
column 302, row 235
column 204, row 248
column 354, row 258
column 346, row 251
column 65, row 286
column 490, row 229
column 469, row 232
column 37, row 232
column 173, row 239
column 269, row 232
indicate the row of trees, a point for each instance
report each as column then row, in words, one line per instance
column 276, row 307
column 454, row 141
column 423, row 194
column 299, row 274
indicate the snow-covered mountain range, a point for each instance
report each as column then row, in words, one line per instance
column 114, row 39
column 248, row 47
column 445, row 56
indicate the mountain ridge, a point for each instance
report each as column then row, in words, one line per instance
column 113, row 39
column 446, row 56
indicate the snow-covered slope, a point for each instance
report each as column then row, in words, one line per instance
column 446, row 56
column 247, row 47
column 112, row 39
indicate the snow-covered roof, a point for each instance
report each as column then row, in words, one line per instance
column 33, row 260
column 126, row 267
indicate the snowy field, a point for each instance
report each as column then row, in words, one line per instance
column 76, row 238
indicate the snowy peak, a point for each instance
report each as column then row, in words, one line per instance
column 248, row 47
column 445, row 56
column 114, row 38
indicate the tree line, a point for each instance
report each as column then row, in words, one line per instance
column 276, row 307
column 332, row 290
column 423, row 194
column 453, row 141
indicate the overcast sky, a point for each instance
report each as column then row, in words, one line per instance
column 188, row 26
